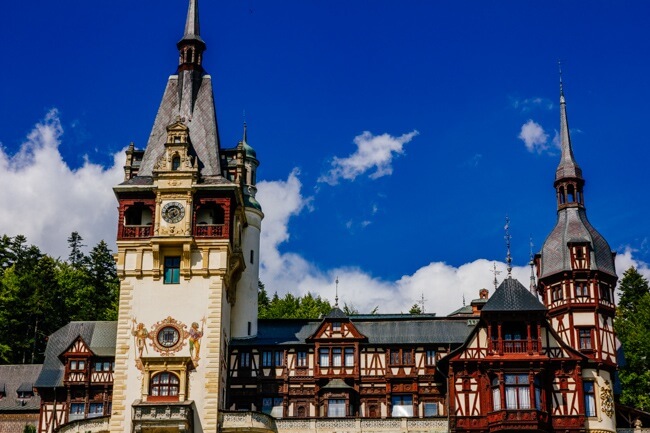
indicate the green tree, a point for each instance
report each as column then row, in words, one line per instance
column 631, row 325
column 415, row 309
column 290, row 306
column 29, row 429
column 76, row 257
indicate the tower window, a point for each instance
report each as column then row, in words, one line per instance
column 605, row 293
column 176, row 161
column 584, row 335
column 252, row 260
column 582, row 289
column 571, row 194
column 172, row 270
column 164, row 385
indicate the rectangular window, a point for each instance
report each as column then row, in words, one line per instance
column 252, row 260
column 77, row 365
column 407, row 357
column 349, row 357
column 244, row 360
column 172, row 270
column 517, row 391
column 557, row 293
column 431, row 357
column 402, row 406
column 301, row 360
column 266, row 358
column 336, row 326
column 582, row 289
column 77, row 411
column 335, row 408
column 605, row 293
column 95, row 410
column 395, row 358
column 279, row 358
column 585, row 338
column 430, row 409
column 590, row 399
column 324, row 357
column 336, row 357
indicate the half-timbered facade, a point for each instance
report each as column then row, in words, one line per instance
column 514, row 373
column 76, row 381
column 361, row 366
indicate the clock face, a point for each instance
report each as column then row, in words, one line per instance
column 168, row 337
column 173, row 212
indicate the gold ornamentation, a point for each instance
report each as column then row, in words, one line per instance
column 168, row 336
column 607, row 399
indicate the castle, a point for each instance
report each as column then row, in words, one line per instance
column 188, row 353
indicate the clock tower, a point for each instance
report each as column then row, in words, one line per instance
column 188, row 245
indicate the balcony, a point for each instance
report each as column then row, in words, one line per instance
column 521, row 419
column 257, row 422
column 210, row 231
column 135, row 232
column 162, row 415
column 514, row 346
column 95, row 425
column 363, row 425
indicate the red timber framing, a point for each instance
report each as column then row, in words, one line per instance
column 535, row 386
column 212, row 217
column 86, row 392
column 335, row 372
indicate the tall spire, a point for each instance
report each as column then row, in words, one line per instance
column 192, row 27
column 568, row 167
column 533, row 284
column 507, row 237
column 191, row 46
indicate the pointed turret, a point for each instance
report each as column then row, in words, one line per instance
column 191, row 47
column 568, row 168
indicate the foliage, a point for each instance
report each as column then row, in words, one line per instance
column 415, row 309
column 29, row 429
column 290, row 306
column 40, row 294
column 631, row 325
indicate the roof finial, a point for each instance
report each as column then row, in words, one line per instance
column 507, row 237
column 568, row 166
column 245, row 139
column 495, row 272
column 336, row 297
column 533, row 285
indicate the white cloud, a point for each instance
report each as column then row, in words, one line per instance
column 49, row 200
column 373, row 152
column 529, row 104
column 534, row 137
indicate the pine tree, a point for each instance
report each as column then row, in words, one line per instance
column 631, row 325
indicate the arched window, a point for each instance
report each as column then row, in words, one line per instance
column 164, row 384
column 137, row 215
column 176, row 162
column 571, row 193
column 496, row 394
column 210, row 214
column 561, row 195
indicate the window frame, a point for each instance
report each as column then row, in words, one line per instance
column 172, row 270
column 589, row 398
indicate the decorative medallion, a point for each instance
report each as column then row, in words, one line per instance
column 168, row 336
column 607, row 399
column 173, row 212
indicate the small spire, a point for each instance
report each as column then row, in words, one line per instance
column 421, row 302
column 463, row 299
column 533, row 284
column 507, row 237
column 336, row 297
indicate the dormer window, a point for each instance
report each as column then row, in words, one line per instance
column 336, row 326
column 176, row 160
column 579, row 256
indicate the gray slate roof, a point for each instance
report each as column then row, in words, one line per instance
column 511, row 295
column 14, row 378
column 572, row 225
column 378, row 331
column 190, row 96
column 99, row 336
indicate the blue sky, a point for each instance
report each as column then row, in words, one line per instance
column 83, row 79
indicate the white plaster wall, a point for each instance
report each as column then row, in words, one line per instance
column 583, row 319
column 245, row 308
column 601, row 422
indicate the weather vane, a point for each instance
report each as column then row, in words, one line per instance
column 495, row 272
column 532, row 268
column 336, row 297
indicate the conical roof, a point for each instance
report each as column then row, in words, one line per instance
column 511, row 295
